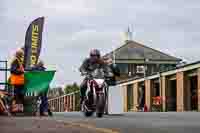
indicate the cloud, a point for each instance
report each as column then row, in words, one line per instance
column 73, row 27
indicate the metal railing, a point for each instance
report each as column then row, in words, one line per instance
column 4, row 69
column 65, row 103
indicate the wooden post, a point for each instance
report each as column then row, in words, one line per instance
column 148, row 92
column 125, row 98
column 135, row 96
column 180, row 91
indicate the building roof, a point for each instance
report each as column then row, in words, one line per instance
column 191, row 65
column 132, row 50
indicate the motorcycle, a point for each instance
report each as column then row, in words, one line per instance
column 96, row 94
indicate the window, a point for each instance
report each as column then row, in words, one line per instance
column 139, row 69
column 162, row 67
column 123, row 68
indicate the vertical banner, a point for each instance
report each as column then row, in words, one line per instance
column 33, row 42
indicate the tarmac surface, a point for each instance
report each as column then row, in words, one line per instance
column 39, row 125
column 76, row 122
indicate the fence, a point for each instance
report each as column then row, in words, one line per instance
column 66, row 103
column 4, row 76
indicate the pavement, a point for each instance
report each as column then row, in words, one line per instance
column 139, row 122
column 39, row 125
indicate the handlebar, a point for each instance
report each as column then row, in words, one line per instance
column 89, row 75
column 86, row 74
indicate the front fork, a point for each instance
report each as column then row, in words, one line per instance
column 94, row 93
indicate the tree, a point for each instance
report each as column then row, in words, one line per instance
column 55, row 92
column 71, row 88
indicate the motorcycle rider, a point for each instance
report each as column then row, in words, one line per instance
column 89, row 65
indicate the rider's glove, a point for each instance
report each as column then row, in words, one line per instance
column 83, row 73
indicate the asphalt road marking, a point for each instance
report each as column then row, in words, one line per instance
column 88, row 126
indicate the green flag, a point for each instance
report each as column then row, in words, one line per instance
column 38, row 81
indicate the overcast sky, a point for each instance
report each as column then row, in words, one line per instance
column 72, row 27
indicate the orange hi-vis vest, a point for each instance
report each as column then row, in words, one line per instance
column 18, row 79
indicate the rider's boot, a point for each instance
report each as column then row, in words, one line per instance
column 81, row 103
column 81, row 100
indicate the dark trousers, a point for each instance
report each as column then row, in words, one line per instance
column 44, row 104
column 83, row 87
column 19, row 94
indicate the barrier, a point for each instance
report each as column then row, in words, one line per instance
column 66, row 103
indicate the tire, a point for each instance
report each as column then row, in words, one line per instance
column 99, row 115
column 100, row 105
column 106, row 102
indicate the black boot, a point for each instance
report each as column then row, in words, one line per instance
column 82, row 95
column 81, row 100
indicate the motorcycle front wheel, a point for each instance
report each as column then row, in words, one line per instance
column 100, row 105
